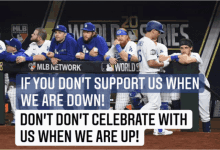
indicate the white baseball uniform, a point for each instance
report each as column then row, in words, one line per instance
column 34, row 49
column 122, row 99
column 162, row 50
column 2, row 49
column 147, row 51
column 204, row 98
column 130, row 48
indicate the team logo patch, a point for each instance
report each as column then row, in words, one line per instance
column 32, row 66
column 1, row 66
column 118, row 32
column 153, row 52
column 161, row 51
column 19, row 31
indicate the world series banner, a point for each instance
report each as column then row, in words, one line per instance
column 135, row 28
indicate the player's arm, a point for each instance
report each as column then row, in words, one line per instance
column 109, row 56
column 12, row 58
column 124, row 55
column 20, row 59
column 185, row 59
column 155, row 64
column 2, row 55
column 151, row 55
column 70, row 52
column 102, row 47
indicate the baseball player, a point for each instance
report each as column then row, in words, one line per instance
column 187, row 57
column 92, row 47
column 13, row 50
column 148, row 64
column 123, row 49
column 63, row 46
column 2, row 49
column 38, row 49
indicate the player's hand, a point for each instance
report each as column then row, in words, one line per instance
column 55, row 61
column 80, row 56
column 162, row 58
column 113, row 61
column 93, row 52
column 50, row 54
column 183, row 58
column 20, row 59
column 116, row 42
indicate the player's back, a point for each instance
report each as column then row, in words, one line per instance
column 146, row 51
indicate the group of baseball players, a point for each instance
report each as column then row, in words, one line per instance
column 151, row 55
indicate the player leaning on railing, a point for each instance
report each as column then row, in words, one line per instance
column 126, row 50
column 13, row 50
column 187, row 57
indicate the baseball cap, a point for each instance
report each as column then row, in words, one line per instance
column 60, row 28
column 88, row 26
column 14, row 43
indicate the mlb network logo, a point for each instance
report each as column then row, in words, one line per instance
column 32, row 66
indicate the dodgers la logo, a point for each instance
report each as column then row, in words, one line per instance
column 85, row 25
column 19, row 31
column 118, row 32
column 32, row 66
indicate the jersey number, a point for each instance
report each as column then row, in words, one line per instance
column 139, row 56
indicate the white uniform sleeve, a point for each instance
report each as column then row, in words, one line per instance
column 150, row 52
column 46, row 49
column 29, row 50
column 132, row 50
column 163, row 49
column 175, row 54
column 111, row 51
column 2, row 46
column 197, row 57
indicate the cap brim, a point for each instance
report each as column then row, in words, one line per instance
column 58, row 30
column 161, row 31
column 7, row 42
column 87, row 30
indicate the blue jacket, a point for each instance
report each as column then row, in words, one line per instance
column 9, row 57
column 65, row 50
column 98, row 42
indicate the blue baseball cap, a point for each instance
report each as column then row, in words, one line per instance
column 88, row 26
column 14, row 43
column 60, row 28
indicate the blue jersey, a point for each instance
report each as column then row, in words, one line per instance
column 98, row 42
column 65, row 50
column 9, row 57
